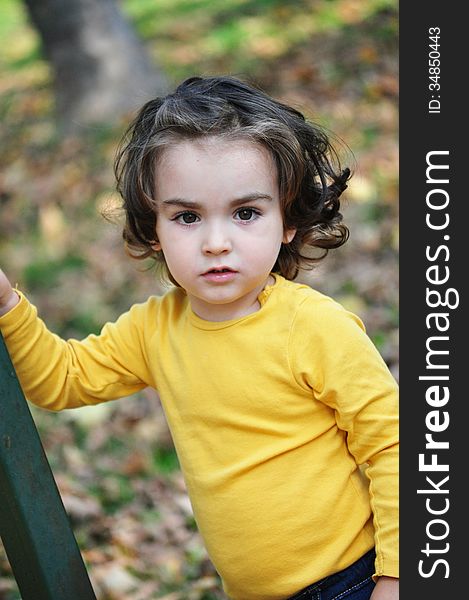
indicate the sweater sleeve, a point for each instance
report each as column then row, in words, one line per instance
column 332, row 355
column 57, row 374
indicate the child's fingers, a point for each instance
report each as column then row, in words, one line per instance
column 4, row 283
column 8, row 297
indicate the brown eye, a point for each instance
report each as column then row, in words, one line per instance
column 245, row 214
column 188, row 218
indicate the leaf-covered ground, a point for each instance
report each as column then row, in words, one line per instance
column 115, row 464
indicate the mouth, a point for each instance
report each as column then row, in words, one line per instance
column 219, row 275
column 218, row 270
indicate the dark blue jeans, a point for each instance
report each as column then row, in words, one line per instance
column 353, row 583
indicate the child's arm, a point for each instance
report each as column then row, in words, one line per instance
column 387, row 588
column 334, row 357
column 57, row 374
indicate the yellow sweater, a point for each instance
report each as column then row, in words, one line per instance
column 270, row 413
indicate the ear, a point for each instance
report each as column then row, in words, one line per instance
column 156, row 246
column 288, row 235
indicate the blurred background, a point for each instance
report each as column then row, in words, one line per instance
column 72, row 73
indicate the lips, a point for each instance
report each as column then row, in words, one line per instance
column 219, row 274
column 219, row 270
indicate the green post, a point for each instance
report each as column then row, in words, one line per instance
column 34, row 526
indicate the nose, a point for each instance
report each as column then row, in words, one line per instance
column 216, row 240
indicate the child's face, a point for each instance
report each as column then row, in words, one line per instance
column 218, row 208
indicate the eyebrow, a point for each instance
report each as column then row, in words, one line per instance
column 253, row 197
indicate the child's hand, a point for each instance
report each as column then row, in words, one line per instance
column 386, row 588
column 8, row 297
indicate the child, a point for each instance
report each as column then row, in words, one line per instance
column 273, row 392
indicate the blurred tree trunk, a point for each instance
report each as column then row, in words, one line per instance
column 100, row 67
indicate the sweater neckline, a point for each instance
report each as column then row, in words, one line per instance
column 262, row 297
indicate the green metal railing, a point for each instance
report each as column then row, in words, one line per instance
column 34, row 526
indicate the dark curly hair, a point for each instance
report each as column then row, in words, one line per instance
column 310, row 178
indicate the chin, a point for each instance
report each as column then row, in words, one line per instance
column 219, row 301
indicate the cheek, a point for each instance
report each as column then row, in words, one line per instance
column 178, row 253
column 168, row 237
column 264, row 248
